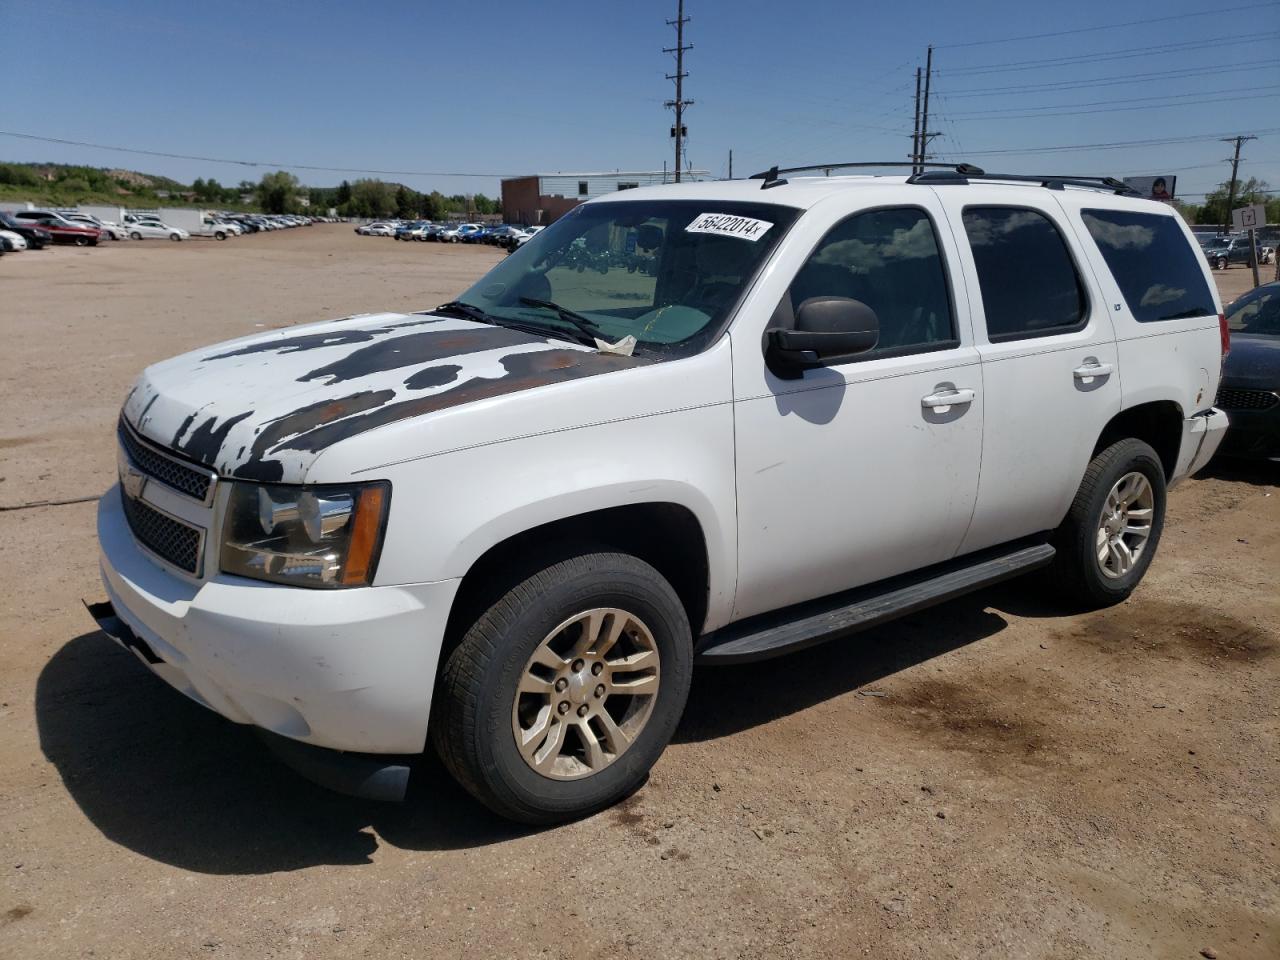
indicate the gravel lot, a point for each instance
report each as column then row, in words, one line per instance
column 994, row 778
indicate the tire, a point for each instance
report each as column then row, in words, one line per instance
column 1222, row 263
column 136, row 235
column 477, row 704
column 82, row 241
column 1078, row 569
column 220, row 235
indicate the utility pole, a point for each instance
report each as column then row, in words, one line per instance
column 679, row 103
column 1235, row 167
column 915, row 130
column 730, row 163
column 925, row 135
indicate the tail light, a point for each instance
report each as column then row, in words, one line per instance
column 1225, row 332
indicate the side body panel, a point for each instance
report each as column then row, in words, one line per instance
column 657, row 434
column 844, row 477
column 1042, row 419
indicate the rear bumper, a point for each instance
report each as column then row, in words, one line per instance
column 1201, row 436
column 351, row 670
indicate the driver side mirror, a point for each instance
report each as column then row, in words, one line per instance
column 828, row 330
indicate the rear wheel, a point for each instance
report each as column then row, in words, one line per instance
column 1113, row 527
column 563, row 694
column 136, row 235
column 220, row 235
column 1222, row 263
column 82, row 241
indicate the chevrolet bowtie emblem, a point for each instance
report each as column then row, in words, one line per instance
column 132, row 480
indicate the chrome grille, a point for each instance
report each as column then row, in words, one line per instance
column 192, row 481
column 1230, row 398
column 169, row 539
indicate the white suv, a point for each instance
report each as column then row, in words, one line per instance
column 701, row 422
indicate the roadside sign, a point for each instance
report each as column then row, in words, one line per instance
column 1249, row 218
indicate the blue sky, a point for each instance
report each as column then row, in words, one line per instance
column 510, row 87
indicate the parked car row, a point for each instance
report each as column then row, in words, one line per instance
column 35, row 229
column 506, row 235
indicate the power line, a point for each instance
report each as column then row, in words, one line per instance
column 1035, row 89
column 1109, row 145
column 1125, row 54
column 1145, row 21
column 1209, row 96
column 253, row 163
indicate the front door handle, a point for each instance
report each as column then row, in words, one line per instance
column 1091, row 368
column 948, row 398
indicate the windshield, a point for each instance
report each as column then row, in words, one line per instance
column 664, row 272
column 1257, row 312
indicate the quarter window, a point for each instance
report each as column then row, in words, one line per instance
column 889, row 259
column 1030, row 287
column 1158, row 271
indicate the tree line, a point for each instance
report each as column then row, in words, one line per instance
column 280, row 192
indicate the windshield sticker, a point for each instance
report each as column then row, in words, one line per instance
column 725, row 225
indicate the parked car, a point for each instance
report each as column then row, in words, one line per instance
column 60, row 228
column 513, row 527
column 156, row 230
column 377, row 229
column 1221, row 252
column 37, row 237
column 1250, row 388
column 528, row 234
column 413, row 230
column 108, row 229
column 449, row 233
column 11, row 242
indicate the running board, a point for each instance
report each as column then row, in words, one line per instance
column 773, row 634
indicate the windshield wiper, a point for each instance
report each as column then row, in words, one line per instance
column 467, row 310
column 472, row 312
column 585, row 324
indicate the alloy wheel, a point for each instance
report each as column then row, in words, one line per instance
column 1125, row 525
column 586, row 693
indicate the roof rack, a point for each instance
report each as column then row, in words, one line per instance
column 773, row 176
column 1050, row 182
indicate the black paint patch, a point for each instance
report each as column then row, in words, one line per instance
column 302, row 420
column 143, row 415
column 418, row 348
column 206, row 440
column 182, row 429
column 433, row 376
column 524, row 371
column 315, row 341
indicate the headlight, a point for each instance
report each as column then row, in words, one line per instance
column 316, row 536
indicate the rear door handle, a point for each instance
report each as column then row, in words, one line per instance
column 948, row 398
column 1090, row 369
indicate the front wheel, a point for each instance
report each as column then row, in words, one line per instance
column 1222, row 263
column 562, row 695
column 136, row 235
column 1113, row 527
column 174, row 237
column 220, row 235
column 82, row 241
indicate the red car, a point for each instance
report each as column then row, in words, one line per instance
column 62, row 229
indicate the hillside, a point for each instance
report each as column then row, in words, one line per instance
column 60, row 184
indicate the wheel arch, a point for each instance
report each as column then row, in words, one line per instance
column 1157, row 423
column 664, row 534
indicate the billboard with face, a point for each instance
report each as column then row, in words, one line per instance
column 1155, row 188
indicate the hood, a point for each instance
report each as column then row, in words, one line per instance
column 264, row 407
column 1253, row 362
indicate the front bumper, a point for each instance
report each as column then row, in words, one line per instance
column 1254, row 434
column 351, row 670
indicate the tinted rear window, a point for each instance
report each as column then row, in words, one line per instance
column 1158, row 271
column 1029, row 284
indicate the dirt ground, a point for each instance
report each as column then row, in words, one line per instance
column 992, row 778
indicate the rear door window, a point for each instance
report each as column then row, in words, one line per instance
column 1030, row 286
column 1158, row 271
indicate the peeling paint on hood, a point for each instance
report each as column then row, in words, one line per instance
column 264, row 407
